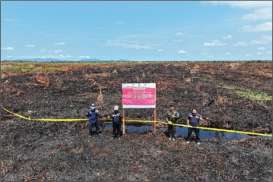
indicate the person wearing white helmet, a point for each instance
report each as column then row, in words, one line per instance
column 116, row 121
column 193, row 120
column 93, row 117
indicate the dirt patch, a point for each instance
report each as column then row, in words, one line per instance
column 42, row 79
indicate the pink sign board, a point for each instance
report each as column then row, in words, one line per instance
column 139, row 95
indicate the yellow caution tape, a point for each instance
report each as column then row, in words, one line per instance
column 63, row 119
column 44, row 119
column 134, row 121
column 138, row 121
column 221, row 130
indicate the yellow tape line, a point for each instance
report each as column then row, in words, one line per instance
column 43, row 119
column 139, row 121
column 221, row 130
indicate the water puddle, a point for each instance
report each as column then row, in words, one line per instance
column 182, row 132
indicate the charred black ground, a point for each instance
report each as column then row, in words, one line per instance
column 231, row 95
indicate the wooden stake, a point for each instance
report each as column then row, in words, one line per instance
column 123, row 121
column 154, row 123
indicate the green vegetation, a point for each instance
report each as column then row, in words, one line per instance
column 30, row 67
column 249, row 94
column 46, row 67
column 49, row 67
column 253, row 95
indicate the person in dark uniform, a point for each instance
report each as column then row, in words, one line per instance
column 93, row 117
column 172, row 117
column 194, row 120
column 116, row 121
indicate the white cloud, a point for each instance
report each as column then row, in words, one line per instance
column 30, row 45
column 58, row 51
column 65, row 56
column 227, row 53
column 178, row 40
column 226, row 37
column 7, row 48
column 179, row 33
column 181, row 51
column 84, row 57
column 59, row 43
column 59, row 56
column 259, row 14
column 263, row 27
column 247, row 55
column 119, row 22
column 261, row 48
column 243, row 4
column 240, row 44
column 43, row 50
column 256, row 11
column 159, row 50
column 269, row 52
column 127, row 44
column 263, row 40
column 259, row 53
column 214, row 43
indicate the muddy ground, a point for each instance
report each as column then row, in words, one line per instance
column 64, row 151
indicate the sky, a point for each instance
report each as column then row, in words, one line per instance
column 200, row 30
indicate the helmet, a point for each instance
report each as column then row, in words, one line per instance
column 194, row 111
column 92, row 107
column 116, row 108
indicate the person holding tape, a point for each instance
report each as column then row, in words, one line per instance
column 116, row 121
column 172, row 117
column 193, row 120
column 93, row 117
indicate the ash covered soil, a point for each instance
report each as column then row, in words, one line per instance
column 230, row 95
column 65, row 152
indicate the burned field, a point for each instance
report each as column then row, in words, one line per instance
column 231, row 95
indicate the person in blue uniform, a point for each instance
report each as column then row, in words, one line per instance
column 93, row 117
column 194, row 120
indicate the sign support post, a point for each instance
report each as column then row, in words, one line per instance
column 123, row 121
column 139, row 95
column 154, row 123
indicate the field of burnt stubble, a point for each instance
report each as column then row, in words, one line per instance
column 235, row 95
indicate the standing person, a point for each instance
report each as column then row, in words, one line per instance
column 100, row 123
column 193, row 120
column 172, row 117
column 93, row 117
column 116, row 121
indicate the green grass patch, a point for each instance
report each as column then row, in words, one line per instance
column 252, row 95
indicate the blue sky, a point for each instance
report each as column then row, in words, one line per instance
column 137, row 30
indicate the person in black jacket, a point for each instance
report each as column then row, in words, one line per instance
column 116, row 121
column 93, row 117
